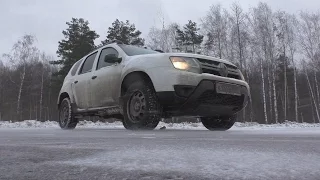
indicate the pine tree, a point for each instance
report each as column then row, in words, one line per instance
column 180, row 38
column 124, row 32
column 189, row 35
column 79, row 40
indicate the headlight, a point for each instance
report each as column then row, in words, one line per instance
column 186, row 64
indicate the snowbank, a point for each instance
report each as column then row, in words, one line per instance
column 118, row 125
column 286, row 124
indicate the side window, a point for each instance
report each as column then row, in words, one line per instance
column 88, row 63
column 103, row 53
column 75, row 68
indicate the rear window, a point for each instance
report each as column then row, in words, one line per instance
column 134, row 50
column 75, row 68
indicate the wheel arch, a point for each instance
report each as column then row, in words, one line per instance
column 62, row 96
column 132, row 77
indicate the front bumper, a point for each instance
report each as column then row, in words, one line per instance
column 202, row 100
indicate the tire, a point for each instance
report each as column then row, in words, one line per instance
column 218, row 124
column 141, row 109
column 66, row 115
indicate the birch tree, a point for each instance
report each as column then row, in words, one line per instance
column 309, row 36
column 162, row 38
column 237, row 20
column 43, row 58
column 23, row 52
column 214, row 25
column 292, row 42
column 311, row 92
column 260, row 27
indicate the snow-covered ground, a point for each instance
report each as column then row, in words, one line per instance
column 118, row 125
column 35, row 150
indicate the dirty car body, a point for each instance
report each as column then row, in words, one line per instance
column 119, row 80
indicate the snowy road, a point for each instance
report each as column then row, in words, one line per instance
column 169, row 154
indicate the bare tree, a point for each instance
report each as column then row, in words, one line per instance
column 311, row 92
column 239, row 38
column 282, row 30
column 43, row 58
column 309, row 35
column 237, row 19
column 214, row 24
column 263, row 36
column 292, row 43
column 23, row 52
column 162, row 39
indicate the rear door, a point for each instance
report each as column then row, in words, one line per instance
column 81, row 83
column 105, row 81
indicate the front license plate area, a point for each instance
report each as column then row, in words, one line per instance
column 224, row 88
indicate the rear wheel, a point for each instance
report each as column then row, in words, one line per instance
column 66, row 116
column 141, row 109
column 218, row 124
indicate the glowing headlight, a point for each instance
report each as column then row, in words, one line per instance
column 179, row 63
column 185, row 63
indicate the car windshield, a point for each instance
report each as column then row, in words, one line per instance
column 134, row 50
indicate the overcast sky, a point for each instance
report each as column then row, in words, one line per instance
column 46, row 18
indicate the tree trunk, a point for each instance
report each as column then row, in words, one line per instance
column 274, row 96
column 30, row 109
column 295, row 90
column 250, row 101
column 263, row 94
column 270, row 91
column 312, row 108
column 49, row 100
column 22, row 76
column 41, row 95
column 36, row 110
column 239, row 44
column 193, row 49
column 219, row 44
column 312, row 96
column 317, row 87
column 285, row 88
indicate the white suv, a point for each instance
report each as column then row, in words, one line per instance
column 141, row 86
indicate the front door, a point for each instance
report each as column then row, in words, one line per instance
column 105, row 81
column 81, row 83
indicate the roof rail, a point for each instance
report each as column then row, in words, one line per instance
column 110, row 42
column 116, row 41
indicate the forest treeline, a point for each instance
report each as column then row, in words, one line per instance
column 278, row 53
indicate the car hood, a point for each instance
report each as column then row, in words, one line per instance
column 167, row 55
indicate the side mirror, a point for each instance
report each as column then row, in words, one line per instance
column 112, row 58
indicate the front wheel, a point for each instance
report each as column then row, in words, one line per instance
column 66, row 115
column 218, row 124
column 141, row 109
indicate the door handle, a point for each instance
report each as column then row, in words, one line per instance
column 76, row 82
column 93, row 77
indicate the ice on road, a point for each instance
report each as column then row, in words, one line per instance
column 90, row 153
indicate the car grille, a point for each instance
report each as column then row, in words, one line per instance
column 213, row 98
column 212, row 67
